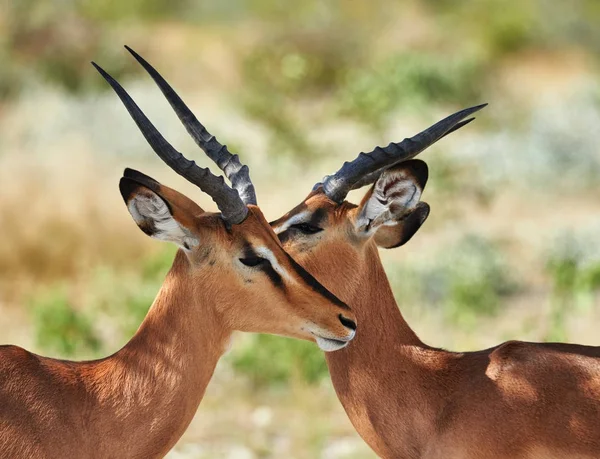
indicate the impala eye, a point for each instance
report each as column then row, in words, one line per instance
column 307, row 228
column 254, row 261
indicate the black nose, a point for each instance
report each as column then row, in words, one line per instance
column 347, row 322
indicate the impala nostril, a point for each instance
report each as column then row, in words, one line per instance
column 347, row 322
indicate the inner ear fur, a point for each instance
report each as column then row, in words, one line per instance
column 160, row 211
column 395, row 235
column 176, row 200
column 393, row 196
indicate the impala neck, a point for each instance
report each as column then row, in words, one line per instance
column 380, row 321
column 378, row 377
column 154, row 385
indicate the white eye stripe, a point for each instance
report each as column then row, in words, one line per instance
column 294, row 220
column 266, row 253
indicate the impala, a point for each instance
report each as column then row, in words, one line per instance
column 230, row 273
column 407, row 399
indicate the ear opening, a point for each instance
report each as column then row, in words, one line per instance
column 393, row 196
column 392, row 236
column 156, row 213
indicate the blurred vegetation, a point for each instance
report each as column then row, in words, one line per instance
column 573, row 265
column 467, row 281
column 123, row 296
column 274, row 361
column 62, row 328
column 408, row 79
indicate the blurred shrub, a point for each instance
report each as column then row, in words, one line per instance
column 126, row 296
column 60, row 327
column 303, row 44
column 501, row 27
column 554, row 151
column 371, row 94
column 53, row 42
column 286, row 70
column 573, row 265
column 468, row 280
column 268, row 360
column 123, row 297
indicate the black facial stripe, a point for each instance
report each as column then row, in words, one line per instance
column 317, row 217
column 315, row 286
column 248, row 251
column 284, row 236
column 267, row 268
column 274, row 276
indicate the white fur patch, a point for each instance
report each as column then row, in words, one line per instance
column 394, row 194
column 293, row 220
column 266, row 253
column 150, row 208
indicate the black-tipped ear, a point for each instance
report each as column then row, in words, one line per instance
column 390, row 237
column 139, row 176
column 142, row 179
column 129, row 185
column 419, row 171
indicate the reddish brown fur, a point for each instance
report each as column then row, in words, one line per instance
column 408, row 400
column 139, row 401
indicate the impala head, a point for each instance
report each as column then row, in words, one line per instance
column 234, row 254
column 331, row 236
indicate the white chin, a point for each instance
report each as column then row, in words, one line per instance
column 330, row 345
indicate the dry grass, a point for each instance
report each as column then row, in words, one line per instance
column 59, row 218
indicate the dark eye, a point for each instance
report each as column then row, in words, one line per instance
column 253, row 261
column 307, row 228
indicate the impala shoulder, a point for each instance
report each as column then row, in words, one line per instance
column 10, row 355
column 509, row 357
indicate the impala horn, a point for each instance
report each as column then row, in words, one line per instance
column 367, row 167
column 229, row 201
column 236, row 173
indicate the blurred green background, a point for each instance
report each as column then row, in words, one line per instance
column 510, row 251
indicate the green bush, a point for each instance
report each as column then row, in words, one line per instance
column 123, row 297
column 466, row 281
column 407, row 79
column 573, row 267
column 285, row 70
column 268, row 360
column 62, row 328
column 127, row 296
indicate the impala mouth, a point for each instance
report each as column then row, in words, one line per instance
column 331, row 344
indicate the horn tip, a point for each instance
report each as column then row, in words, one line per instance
column 131, row 51
column 100, row 70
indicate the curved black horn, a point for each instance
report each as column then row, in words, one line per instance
column 238, row 174
column 368, row 166
column 373, row 176
column 228, row 200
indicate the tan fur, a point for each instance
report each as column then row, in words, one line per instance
column 408, row 400
column 139, row 401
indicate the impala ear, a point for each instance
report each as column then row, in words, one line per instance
column 395, row 235
column 159, row 211
column 392, row 203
